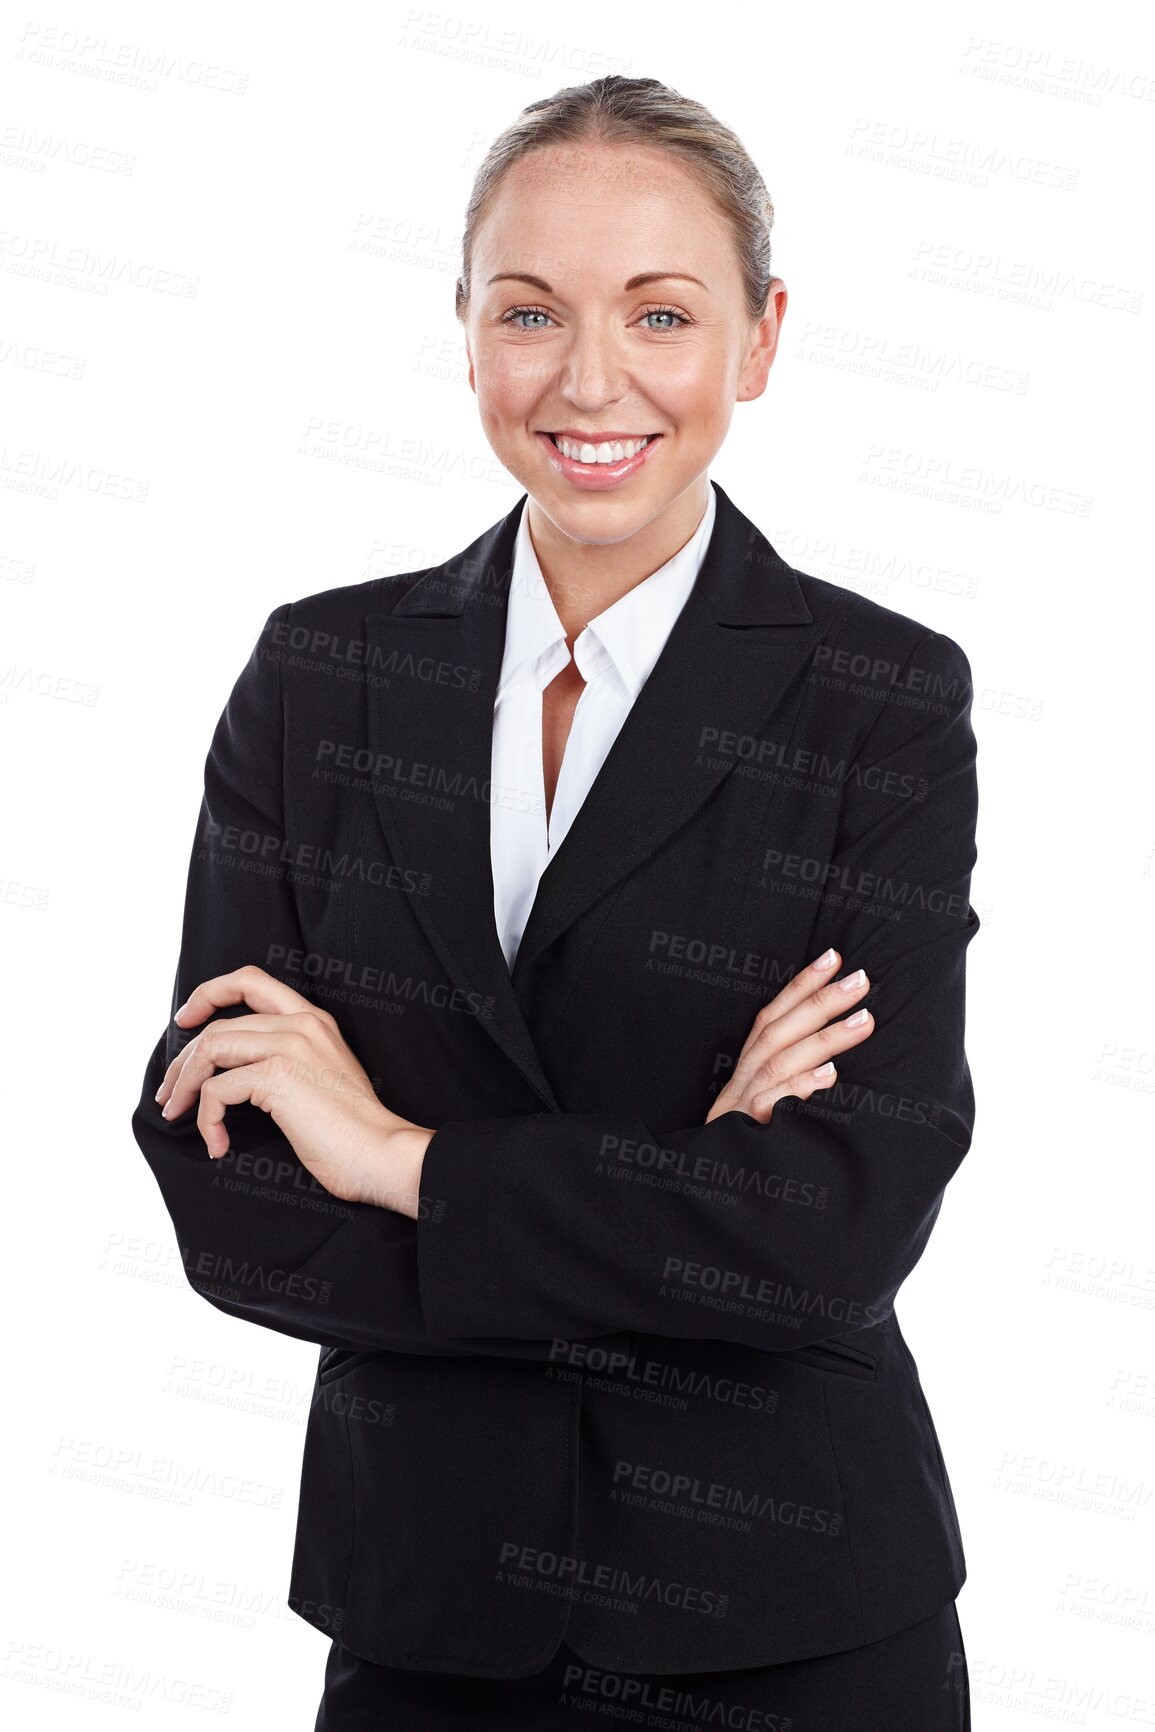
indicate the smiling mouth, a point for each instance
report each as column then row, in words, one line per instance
column 608, row 454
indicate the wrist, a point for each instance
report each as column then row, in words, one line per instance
column 399, row 1174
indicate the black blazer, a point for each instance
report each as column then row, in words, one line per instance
column 629, row 1379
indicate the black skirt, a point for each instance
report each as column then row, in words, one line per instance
column 913, row 1681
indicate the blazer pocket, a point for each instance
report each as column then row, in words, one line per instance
column 838, row 1357
column 337, row 1361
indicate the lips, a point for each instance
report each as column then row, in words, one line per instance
column 598, row 477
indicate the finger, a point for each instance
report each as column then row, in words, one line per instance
column 770, row 1038
column 812, row 1081
column 169, row 1078
column 806, row 982
column 192, row 1048
column 814, row 1049
column 250, row 1082
column 819, row 1007
column 246, row 985
column 236, row 1041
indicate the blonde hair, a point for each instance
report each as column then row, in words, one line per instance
column 619, row 110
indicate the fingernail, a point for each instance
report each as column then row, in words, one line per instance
column 165, row 1109
column 857, row 1020
column 852, row 980
column 181, row 1011
column 826, row 960
column 826, row 1069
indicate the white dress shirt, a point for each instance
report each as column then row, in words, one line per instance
column 615, row 654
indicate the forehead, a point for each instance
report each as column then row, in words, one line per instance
column 570, row 203
column 591, row 170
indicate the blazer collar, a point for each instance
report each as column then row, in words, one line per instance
column 743, row 581
column 438, row 653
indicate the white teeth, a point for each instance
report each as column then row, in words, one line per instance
column 613, row 451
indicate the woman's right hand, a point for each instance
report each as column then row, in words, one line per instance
column 792, row 1037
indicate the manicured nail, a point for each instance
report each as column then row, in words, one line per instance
column 181, row 1011
column 825, row 1070
column 856, row 979
column 826, row 960
column 857, row 1020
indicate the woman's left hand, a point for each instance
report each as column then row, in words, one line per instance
column 291, row 1061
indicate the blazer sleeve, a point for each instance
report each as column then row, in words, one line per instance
column 259, row 1238
column 767, row 1235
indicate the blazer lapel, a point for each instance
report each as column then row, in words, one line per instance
column 729, row 664
column 434, row 662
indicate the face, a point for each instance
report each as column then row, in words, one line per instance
column 566, row 342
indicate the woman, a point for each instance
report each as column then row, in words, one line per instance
column 504, row 868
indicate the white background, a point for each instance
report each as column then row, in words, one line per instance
column 963, row 206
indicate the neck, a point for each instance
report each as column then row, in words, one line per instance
column 584, row 578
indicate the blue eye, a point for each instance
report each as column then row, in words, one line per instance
column 516, row 313
column 665, row 313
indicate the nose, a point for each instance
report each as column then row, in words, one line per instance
column 594, row 374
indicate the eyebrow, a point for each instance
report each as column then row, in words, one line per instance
column 634, row 282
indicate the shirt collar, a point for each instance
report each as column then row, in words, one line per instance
column 629, row 635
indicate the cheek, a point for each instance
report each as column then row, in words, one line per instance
column 506, row 388
column 693, row 394
column 497, row 419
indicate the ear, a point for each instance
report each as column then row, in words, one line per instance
column 763, row 344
